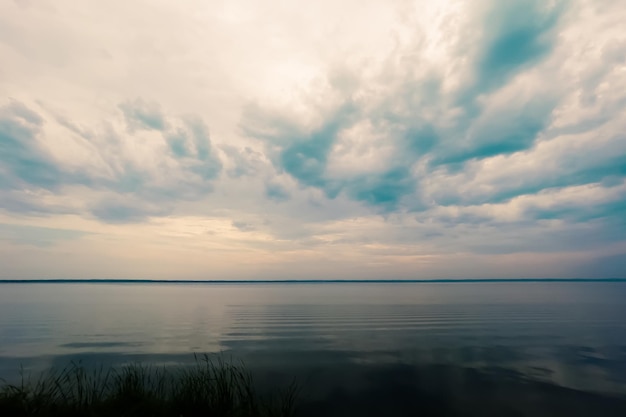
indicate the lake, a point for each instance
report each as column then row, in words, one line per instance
column 555, row 348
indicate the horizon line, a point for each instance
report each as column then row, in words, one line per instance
column 301, row 281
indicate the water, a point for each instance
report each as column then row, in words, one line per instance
column 334, row 336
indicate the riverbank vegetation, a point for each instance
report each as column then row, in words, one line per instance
column 211, row 387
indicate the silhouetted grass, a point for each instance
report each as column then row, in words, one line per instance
column 211, row 387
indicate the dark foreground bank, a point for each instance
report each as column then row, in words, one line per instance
column 217, row 387
column 211, row 387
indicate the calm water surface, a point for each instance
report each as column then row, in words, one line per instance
column 568, row 334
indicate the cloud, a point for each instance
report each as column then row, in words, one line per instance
column 515, row 35
column 276, row 192
column 121, row 212
column 37, row 236
column 243, row 161
column 306, row 157
column 243, row 226
column 604, row 207
column 503, row 127
column 140, row 114
column 24, row 162
column 502, row 110
column 110, row 161
column 382, row 190
column 488, row 134
column 417, row 121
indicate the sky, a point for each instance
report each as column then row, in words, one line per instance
column 362, row 139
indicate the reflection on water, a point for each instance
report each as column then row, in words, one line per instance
column 568, row 334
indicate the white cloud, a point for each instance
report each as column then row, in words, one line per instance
column 166, row 123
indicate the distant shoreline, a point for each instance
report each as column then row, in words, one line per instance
column 303, row 281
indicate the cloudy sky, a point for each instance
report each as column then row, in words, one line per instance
column 231, row 139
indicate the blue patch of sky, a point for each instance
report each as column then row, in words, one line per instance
column 517, row 34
